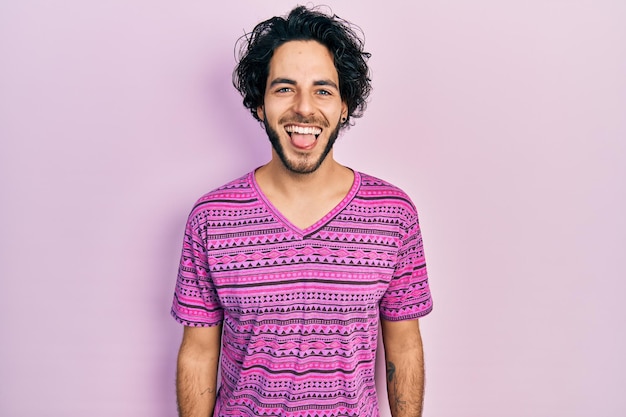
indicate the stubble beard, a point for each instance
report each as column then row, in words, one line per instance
column 305, row 164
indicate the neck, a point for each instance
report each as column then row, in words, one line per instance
column 275, row 178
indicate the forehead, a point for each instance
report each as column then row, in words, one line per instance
column 303, row 59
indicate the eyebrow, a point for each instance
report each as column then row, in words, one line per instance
column 327, row 82
column 292, row 82
column 282, row 81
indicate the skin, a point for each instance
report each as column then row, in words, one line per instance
column 196, row 374
column 404, row 359
column 304, row 184
column 302, row 89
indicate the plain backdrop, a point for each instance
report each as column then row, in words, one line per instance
column 504, row 120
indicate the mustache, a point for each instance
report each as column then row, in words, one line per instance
column 298, row 118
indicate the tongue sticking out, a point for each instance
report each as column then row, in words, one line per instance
column 302, row 141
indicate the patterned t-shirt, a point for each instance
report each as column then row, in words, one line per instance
column 300, row 308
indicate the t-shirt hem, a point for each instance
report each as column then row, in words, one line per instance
column 412, row 316
column 190, row 323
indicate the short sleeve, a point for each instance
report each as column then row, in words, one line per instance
column 408, row 295
column 196, row 302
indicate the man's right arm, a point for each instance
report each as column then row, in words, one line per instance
column 196, row 376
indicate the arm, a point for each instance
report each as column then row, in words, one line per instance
column 405, row 367
column 196, row 376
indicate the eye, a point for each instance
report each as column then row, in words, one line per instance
column 324, row 92
column 284, row 90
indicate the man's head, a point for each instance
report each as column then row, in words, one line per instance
column 345, row 47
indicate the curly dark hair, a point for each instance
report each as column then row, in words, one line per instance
column 339, row 36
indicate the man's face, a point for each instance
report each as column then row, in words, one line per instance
column 302, row 107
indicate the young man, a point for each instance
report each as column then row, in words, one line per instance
column 298, row 262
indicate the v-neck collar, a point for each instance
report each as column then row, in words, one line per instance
column 356, row 184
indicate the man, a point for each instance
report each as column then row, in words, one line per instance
column 299, row 261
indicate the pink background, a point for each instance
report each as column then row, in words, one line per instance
column 505, row 121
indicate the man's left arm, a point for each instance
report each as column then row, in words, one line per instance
column 404, row 360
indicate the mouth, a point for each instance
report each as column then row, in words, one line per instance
column 303, row 137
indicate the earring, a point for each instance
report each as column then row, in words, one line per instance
column 343, row 119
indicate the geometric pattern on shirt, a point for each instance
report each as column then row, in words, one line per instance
column 300, row 308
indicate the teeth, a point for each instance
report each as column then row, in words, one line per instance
column 303, row 130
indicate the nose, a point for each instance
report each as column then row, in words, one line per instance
column 303, row 104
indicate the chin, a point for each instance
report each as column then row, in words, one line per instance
column 311, row 162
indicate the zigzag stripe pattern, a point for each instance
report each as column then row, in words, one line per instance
column 300, row 308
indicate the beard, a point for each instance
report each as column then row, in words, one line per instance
column 306, row 164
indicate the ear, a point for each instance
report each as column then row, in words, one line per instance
column 260, row 111
column 344, row 110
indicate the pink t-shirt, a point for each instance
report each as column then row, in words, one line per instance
column 300, row 308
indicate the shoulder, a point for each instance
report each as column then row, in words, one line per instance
column 389, row 203
column 377, row 192
column 235, row 194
